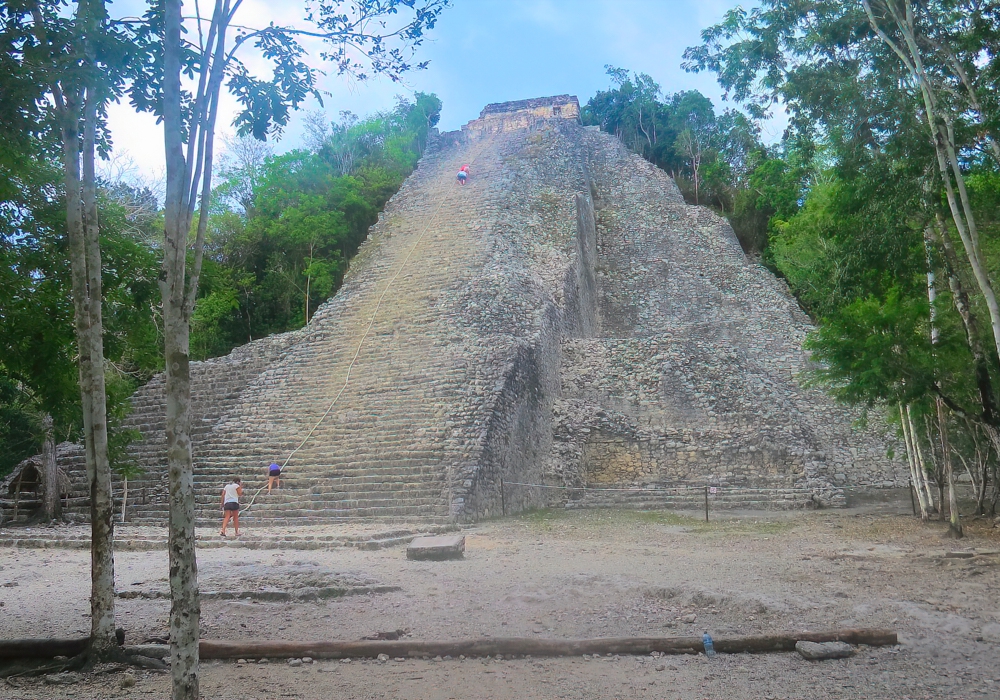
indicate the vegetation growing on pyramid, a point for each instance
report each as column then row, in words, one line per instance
column 286, row 226
column 717, row 160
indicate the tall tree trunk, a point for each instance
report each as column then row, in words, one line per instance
column 970, row 243
column 931, row 286
column 185, row 609
column 922, row 482
column 960, row 299
column 124, row 496
column 954, row 519
column 911, row 459
column 103, row 639
column 50, row 472
column 938, row 470
column 942, row 134
column 85, row 268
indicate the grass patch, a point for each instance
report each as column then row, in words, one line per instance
column 547, row 518
column 729, row 526
column 541, row 517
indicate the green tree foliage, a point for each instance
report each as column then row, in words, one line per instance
column 286, row 227
column 283, row 224
column 896, row 97
column 716, row 159
column 38, row 370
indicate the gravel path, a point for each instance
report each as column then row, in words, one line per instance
column 561, row 575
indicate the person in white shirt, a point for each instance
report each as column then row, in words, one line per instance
column 231, row 505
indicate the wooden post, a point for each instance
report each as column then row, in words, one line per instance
column 706, row 504
column 503, row 498
column 913, row 503
column 50, row 473
column 17, row 494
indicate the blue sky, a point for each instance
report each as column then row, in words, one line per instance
column 496, row 50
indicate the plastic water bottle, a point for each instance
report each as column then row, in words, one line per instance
column 709, row 644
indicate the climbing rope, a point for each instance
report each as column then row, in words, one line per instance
column 371, row 324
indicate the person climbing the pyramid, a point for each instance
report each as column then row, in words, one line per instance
column 231, row 493
column 463, row 174
column 273, row 476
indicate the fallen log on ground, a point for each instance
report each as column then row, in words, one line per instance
column 489, row 646
column 509, row 646
column 41, row 648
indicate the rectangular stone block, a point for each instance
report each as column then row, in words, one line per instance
column 437, row 548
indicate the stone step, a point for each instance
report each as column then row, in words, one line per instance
column 151, row 536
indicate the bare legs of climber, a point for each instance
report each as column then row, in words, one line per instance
column 273, row 476
column 231, row 505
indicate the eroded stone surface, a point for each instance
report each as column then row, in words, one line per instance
column 820, row 651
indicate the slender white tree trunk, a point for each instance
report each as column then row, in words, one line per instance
column 124, row 496
column 101, row 499
column 85, row 268
column 954, row 518
column 910, row 53
column 922, row 481
column 911, row 458
column 969, row 242
column 185, row 609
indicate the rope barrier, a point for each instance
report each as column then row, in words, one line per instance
column 639, row 489
column 371, row 324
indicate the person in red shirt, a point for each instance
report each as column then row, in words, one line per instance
column 463, row 174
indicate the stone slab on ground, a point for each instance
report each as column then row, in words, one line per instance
column 815, row 651
column 436, row 548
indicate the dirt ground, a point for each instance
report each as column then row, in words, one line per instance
column 565, row 575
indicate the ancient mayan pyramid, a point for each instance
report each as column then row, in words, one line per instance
column 564, row 320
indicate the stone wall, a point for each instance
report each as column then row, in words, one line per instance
column 523, row 115
column 519, row 437
column 695, row 379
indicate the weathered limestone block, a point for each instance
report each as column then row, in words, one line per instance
column 820, row 651
column 436, row 548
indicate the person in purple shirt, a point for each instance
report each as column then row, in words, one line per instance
column 273, row 476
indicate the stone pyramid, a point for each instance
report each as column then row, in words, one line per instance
column 563, row 321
